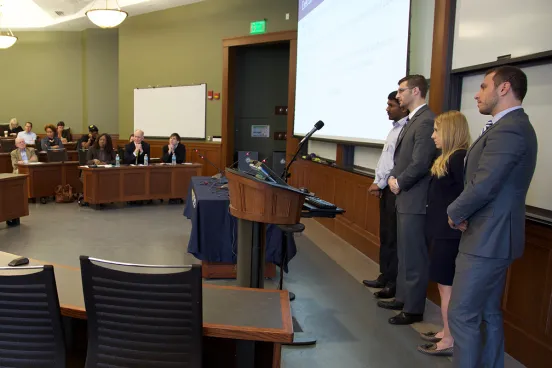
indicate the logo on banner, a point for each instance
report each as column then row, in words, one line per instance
column 194, row 201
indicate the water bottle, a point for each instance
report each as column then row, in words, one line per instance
column 173, row 159
column 117, row 161
column 146, row 160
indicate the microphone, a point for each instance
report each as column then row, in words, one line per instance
column 216, row 176
column 316, row 127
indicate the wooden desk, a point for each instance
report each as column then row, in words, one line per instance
column 13, row 198
column 137, row 183
column 71, row 156
column 229, row 314
column 44, row 177
column 5, row 163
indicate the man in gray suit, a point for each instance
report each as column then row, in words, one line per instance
column 491, row 213
column 409, row 180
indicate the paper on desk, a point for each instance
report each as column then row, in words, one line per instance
column 35, row 163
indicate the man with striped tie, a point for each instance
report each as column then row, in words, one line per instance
column 491, row 213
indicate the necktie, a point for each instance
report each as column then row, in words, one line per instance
column 401, row 134
column 487, row 126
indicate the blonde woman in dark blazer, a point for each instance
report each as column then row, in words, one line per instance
column 22, row 154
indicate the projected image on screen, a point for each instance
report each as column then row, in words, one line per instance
column 351, row 54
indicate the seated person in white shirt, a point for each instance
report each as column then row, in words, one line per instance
column 22, row 154
column 27, row 134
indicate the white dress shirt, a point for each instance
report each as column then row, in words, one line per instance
column 385, row 162
column 30, row 138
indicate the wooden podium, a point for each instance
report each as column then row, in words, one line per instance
column 255, row 203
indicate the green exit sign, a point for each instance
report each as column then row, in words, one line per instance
column 258, row 27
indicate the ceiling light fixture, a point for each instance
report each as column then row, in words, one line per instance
column 106, row 17
column 7, row 39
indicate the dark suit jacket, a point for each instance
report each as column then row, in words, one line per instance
column 129, row 153
column 46, row 143
column 180, row 153
column 414, row 154
column 441, row 193
column 498, row 170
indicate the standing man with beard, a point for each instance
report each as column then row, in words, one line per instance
column 490, row 211
column 388, row 217
column 409, row 181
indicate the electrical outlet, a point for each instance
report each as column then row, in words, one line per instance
column 287, row 16
column 280, row 136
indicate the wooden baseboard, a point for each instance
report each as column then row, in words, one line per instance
column 216, row 270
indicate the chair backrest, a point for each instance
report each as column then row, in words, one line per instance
column 82, row 156
column 57, row 155
column 7, row 144
column 148, row 319
column 31, row 332
column 3, row 128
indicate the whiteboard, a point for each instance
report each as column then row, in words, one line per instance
column 537, row 106
column 161, row 111
column 486, row 29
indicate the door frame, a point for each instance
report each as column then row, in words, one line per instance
column 229, row 52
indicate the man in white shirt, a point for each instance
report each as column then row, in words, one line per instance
column 388, row 218
column 27, row 134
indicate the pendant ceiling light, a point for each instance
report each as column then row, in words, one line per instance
column 105, row 17
column 7, row 39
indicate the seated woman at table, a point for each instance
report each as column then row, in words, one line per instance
column 102, row 153
column 175, row 147
column 22, row 154
column 14, row 128
column 50, row 141
column 62, row 133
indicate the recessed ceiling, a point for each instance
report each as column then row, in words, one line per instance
column 69, row 15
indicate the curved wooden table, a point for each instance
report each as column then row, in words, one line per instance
column 230, row 314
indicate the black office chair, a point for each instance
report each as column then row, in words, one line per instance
column 57, row 155
column 82, row 157
column 150, row 319
column 7, row 145
column 31, row 332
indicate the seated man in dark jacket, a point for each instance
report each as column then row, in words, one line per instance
column 135, row 151
column 175, row 147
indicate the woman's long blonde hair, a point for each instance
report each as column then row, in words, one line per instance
column 13, row 123
column 452, row 127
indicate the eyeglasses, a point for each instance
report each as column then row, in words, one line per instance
column 401, row 90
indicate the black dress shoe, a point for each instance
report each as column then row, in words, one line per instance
column 406, row 319
column 392, row 304
column 378, row 283
column 385, row 293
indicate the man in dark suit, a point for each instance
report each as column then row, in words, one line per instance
column 409, row 180
column 491, row 213
column 176, row 148
column 137, row 150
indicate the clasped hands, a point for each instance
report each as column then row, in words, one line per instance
column 138, row 149
column 463, row 226
column 393, row 185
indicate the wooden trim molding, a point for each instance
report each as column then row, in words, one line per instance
column 258, row 39
column 441, row 53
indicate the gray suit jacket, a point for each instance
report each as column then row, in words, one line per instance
column 414, row 155
column 498, row 170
